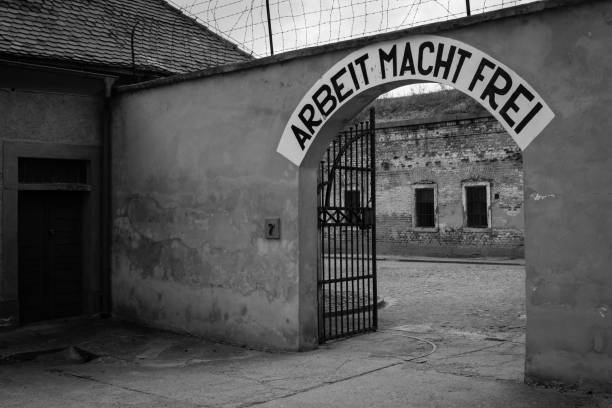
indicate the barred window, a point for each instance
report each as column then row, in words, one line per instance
column 476, row 206
column 41, row 171
column 425, row 207
column 352, row 198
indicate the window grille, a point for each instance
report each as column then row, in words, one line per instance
column 352, row 201
column 42, row 171
column 351, row 198
column 425, row 207
column 476, row 207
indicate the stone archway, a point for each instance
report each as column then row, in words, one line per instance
column 209, row 175
column 370, row 71
column 363, row 75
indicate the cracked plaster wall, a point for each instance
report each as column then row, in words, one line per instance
column 41, row 108
column 565, row 54
column 195, row 175
column 181, row 149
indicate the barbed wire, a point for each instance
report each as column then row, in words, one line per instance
column 306, row 23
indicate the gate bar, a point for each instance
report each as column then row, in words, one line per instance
column 373, row 195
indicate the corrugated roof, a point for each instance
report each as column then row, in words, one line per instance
column 99, row 32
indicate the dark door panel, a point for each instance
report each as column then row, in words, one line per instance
column 50, row 255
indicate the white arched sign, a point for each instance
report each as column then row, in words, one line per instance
column 427, row 58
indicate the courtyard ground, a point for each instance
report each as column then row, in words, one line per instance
column 466, row 301
column 451, row 335
column 472, row 296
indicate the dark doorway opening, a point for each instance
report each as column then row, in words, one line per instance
column 446, row 272
column 50, row 235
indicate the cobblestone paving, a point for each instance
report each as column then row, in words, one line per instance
column 465, row 297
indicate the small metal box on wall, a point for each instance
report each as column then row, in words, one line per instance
column 272, row 227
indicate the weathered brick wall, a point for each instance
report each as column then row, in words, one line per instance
column 447, row 153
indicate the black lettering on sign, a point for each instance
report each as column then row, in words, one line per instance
column 528, row 118
column 338, row 87
column 328, row 100
column 463, row 55
column 361, row 62
column 493, row 89
column 301, row 136
column 511, row 103
column 353, row 75
column 310, row 122
column 478, row 75
column 422, row 70
column 390, row 57
column 407, row 61
column 444, row 63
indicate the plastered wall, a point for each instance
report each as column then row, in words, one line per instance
column 39, row 108
column 195, row 177
column 196, row 172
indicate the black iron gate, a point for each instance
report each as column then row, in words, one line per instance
column 347, row 235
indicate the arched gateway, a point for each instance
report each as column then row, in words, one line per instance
column 346, row 251
column 196, row 176
column 414, row 59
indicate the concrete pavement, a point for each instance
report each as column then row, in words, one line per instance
column 131, row 366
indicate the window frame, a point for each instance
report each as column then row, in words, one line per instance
column 348, row 192
column 487, row 185
column 352, row 205
column 421, row 186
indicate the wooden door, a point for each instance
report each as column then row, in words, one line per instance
column 50, row 255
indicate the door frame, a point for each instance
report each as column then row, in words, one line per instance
column 9, row 276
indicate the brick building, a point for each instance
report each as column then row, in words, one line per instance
column 450, row 185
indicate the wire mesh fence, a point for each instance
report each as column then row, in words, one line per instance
column 296, row 24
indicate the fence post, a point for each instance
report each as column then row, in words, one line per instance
column 269, row 27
